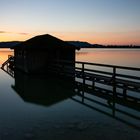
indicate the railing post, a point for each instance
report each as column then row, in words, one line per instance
column 114, row 72
column 83, row 74
column 114, row 81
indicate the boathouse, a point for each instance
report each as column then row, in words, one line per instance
column 40, row 52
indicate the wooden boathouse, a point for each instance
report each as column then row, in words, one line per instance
column 38, row 53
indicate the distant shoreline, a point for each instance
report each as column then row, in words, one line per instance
column 92, row 48
column 80, row 44
column 110, row 48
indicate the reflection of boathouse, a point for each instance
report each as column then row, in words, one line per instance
column 42, row 89
column 38, row 53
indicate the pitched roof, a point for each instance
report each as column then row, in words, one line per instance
column 45, row 41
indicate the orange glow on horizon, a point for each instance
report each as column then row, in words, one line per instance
column 105, row 38
column 14, row 37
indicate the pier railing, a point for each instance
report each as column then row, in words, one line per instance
column 108, row 72
column 116, row 80
column 118, row 76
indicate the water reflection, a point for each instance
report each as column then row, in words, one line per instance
column 92, row 117
column 99, row 99
column 45, row 90
column 42, row 89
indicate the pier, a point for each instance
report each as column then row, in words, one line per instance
column 107, row 80
column 111, row 75
column 112, row 80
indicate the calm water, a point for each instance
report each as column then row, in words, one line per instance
column 37, row 107
column 123, row 57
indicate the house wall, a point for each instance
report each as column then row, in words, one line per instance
column 34, row 60
column 19, row 59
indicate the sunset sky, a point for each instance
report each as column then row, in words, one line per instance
column 94, row 21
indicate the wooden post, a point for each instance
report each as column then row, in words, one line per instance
column 114, row 81
column 83, row 74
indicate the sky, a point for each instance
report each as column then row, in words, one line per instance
column 95, row 21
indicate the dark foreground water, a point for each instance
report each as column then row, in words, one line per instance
column 40, row 108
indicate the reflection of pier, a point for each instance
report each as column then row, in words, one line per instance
column 111, row 106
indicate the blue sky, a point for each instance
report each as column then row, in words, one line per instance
column 96, row 21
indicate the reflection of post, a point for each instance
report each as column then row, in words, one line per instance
column 114, row 81
column 93, row 83
column 83, row 95
column 7, row 66
column 111, row 104
column 113, row 107
column 125, row 91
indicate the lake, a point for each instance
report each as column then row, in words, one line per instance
column 40, row 109
column 120, row 57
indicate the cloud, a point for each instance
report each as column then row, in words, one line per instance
column 23, row 33
column 20, row 33
column 2, row 32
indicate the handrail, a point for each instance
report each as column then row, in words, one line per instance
column 106, row 65
column 113, row 73
column 97, row 64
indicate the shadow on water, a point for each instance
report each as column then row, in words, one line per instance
column 47, row 90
